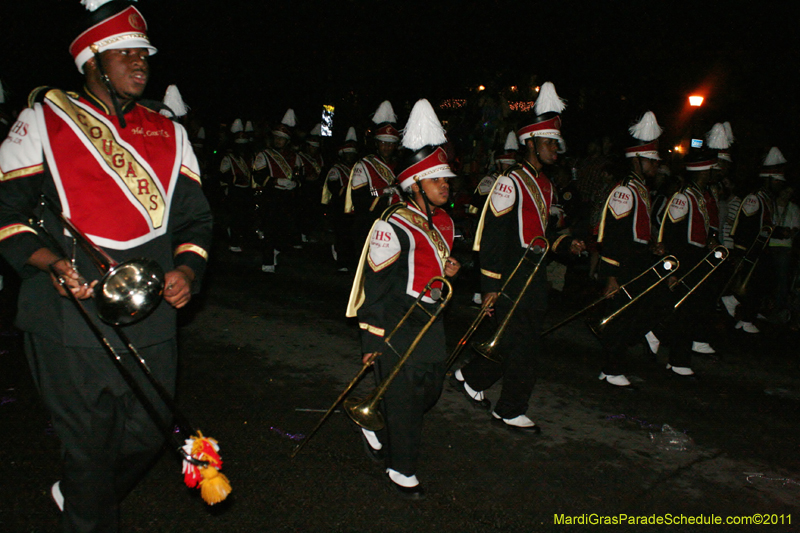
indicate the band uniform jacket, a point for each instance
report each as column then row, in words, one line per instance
column 517, row 211
column 276, row 169
column 686, row 227
column 402, row 254
column 134, row 191
column 754, row 213
column 481, row 193
column 312, row 165
column 371, row 186
column 236, row 171
column 336, row 184
column 624, row 230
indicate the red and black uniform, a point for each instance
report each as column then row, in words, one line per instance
column 370, row 191
column 403, row 253
column 274, row 176
column 516, row 212
column 135, row 192
column 624, row 242
column 333, row 196
column 685, row 233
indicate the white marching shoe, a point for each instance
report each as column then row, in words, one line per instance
column 618, row 380
column 520, row 423
column 747, row 327
column 55, row 492
column 731, row 303
column 702, row 347
column 681, row 370
column 652, row 341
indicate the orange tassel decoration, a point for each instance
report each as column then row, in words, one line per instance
column 214, row 486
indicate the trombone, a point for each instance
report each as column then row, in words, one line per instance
column 126, row 293
column 668, row 263
column 743, row 271
column 487, row 349
column 711, row 261
column 364, row 412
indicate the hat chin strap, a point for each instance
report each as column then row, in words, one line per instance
column 107, row 82
column 425, row 200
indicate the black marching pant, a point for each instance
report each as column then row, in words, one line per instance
column 108, row 440
column 519, row 347
column 414, row 391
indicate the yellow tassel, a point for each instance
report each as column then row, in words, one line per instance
column 214, row 487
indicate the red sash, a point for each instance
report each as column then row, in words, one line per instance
column 429, row 246
column 535, row 197
column 94, row 164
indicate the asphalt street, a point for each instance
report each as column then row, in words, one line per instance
column 263, row 356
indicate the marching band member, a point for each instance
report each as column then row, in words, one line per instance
column 274, row 176
column 503, row 162
column 516, row 212
column 333, row 196
column 236, row 171
column 127, row 177
column 625, row 245
column 372, row 186
column 756, row 211
column 686, row 232
column 408, row 245
column 313, row 165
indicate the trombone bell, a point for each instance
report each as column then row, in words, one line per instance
column 129, row 292
column 487, row 349
column 365, row 413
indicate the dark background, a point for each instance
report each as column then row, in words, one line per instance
column 610, row 60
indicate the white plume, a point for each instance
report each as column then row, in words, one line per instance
column 717, row 138
column 351, row 135
column 289, row 119
column 511, row 141
column 385, row 113
column 548, row 100
column 316, row 130
column 92, row 5
column 774, row 157
column 237, row 126
column 248, row 126
column 647, row 129
column 728, row 132
column 173, row 100
column 423, row 127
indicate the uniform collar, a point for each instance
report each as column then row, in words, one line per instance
column 96, row 102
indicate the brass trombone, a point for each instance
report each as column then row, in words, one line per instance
column 743, row 271
column 364, row 412
column 667, row 263
column 712, row 259
column 126, row 293
column 539, row 245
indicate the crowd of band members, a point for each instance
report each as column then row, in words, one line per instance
column 583, row 183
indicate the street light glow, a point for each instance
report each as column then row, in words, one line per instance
column 695, row 101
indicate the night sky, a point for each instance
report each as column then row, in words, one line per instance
column 610, row 60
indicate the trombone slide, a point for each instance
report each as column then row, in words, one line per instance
column 712, row 260
column 538, row 245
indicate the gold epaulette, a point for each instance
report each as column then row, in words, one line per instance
column 391, row 210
